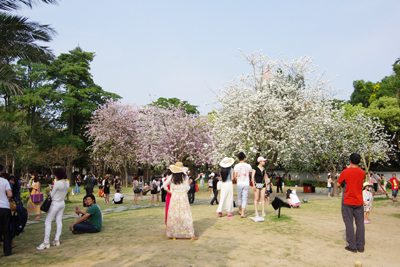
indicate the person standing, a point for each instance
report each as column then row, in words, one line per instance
column 34, row 207
column 57, row 206
column 5, row 214
column 153, row 188
column 368, row 198
column 258, row 179
column 215, row 191
column 77, row 184
column 141, row 187
column 384, row 182
column 107, row 186
column 374, row 180
column 210, row 183
column 168, row 197
column 241, row 174
column 201, row 180
column 279, row 183
column 136, row 190
column 163, row 192
column 395, row 186
column 180, row 221
column 90, row 180
column 353, row 176
column 226, row 199
column 329, row 184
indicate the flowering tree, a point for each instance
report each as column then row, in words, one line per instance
column 258, row 110
column 113, row 131
column 124, row 135
column 326, row 137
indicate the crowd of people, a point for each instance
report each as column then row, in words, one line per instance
column 177, row 188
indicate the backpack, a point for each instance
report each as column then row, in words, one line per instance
column 18, row 220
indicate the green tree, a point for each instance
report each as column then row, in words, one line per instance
column 77, row 94
column 175, row 102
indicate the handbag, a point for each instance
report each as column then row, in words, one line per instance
column 13, row 205
column 46, row 204
column 196, row 186
column 37, row 197
column 136, row 190
column 219, row 185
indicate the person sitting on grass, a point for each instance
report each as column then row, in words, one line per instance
column 293, row 199
column 367, row 197
column 93, row 215
column 118, row 197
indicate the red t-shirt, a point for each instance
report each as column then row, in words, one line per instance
column 395, row 183
column 354, row 178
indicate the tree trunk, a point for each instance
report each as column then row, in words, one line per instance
column 5, row 167
column 69, row 170
column 126, row 173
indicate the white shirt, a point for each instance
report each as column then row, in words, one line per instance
column 242, row 171
column 59, row 191
column 294, row 198
column 4, row 186
column 117, row 197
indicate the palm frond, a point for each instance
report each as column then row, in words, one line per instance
column 12, row 5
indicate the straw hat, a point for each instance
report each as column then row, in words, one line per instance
column 178, row 167
column 226, row 162
column 366, row 184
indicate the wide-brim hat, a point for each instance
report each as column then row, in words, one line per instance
column 366, row 184
column 226, row 162
column 178, row 167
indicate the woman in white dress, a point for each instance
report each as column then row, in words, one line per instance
column 226, row 199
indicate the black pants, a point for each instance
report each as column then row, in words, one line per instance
column 191, row 196
column 277, row 188
column 163, row 195
column 215, row 192
column 5, row 217
column 89, row 191
column 354, row 213
column 375, row 187
column 119, row 202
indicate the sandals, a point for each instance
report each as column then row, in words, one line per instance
column 193, row 238
column 220, row 214
column 42, row 246
column 244, row 216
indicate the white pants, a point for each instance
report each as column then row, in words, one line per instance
column 56, row 210
column 243, row 194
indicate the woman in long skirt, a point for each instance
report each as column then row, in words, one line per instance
column 180, row 221
column 226, row 199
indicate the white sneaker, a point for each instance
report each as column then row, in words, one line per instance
column 212, row 195
column 257, row 215
column 263, row 214
column 41, row 247
column 54, row 243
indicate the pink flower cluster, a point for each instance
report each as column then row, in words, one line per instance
column 149, row 135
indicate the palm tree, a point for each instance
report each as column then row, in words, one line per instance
column 12, row 5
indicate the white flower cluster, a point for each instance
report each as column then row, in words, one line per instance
column 285, row 113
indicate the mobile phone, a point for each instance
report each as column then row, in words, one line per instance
column 347, row 162
column 77, row 208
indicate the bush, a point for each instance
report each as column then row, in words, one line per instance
column 25, row 196
column 314, row 183
column 46, row 192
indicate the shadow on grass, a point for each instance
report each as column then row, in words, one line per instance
column 202, row 225
column 283, row 218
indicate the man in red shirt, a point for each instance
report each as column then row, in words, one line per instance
column 395, row 186
column 353, row 176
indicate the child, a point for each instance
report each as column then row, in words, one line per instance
column 293, row 199
column 367, row 196
column 210, row 184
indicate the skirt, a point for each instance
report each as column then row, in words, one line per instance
column 226, row 198
column 167, row 201
column 180, row 221
column 33, row 208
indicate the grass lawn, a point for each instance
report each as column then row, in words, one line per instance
column 310, row 236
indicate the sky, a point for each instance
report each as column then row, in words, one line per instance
column 188, row 49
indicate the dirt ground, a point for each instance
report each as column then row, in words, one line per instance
column 310, row 236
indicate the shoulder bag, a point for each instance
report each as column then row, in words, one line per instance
column 46, row 204
column 35, row 198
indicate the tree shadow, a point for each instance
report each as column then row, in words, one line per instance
column 200, row 226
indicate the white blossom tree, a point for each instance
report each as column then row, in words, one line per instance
column 326, row 137
column 258, row 110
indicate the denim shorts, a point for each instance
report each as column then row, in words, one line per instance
column 394, row 193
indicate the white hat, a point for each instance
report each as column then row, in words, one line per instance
column 178, row 167
column 212, row 174
column 226, row 162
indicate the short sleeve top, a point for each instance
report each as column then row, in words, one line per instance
column 259, row 176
